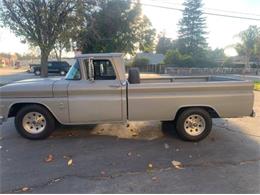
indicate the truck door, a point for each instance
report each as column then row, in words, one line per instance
column 96, row 100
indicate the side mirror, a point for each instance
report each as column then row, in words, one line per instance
column 91, row 69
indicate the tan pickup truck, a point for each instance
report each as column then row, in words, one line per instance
column 96, row 90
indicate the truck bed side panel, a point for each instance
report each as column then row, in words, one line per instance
column 161, row 101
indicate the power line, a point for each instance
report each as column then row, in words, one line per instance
column 204, row 12
column 213, row 9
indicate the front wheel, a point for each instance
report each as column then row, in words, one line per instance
column 194, row 124
column 34, row 122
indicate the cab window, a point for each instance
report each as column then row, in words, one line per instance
column 74, row 72
column 103, row 70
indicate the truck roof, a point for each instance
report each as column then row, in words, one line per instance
column 100, row 55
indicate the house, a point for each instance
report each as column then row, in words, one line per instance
column 154, row 58
column 154, row 62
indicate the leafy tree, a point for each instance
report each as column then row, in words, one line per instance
column 257, row 51
column 174, row 57
column 140, row 62
column 40, row 22
column 249, row 46
column 216, row 57
column 164, row 44
column 75, row 23
column 117, row 26
column 192, row 31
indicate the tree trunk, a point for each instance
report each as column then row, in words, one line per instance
column 56, row 54
column 247, row 64
column 44, row 63
column 60, row 53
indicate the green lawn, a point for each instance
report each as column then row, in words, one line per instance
column 257, row 85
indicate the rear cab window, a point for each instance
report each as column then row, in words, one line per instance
column 103, row 69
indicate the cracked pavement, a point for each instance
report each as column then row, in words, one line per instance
column 115, row 158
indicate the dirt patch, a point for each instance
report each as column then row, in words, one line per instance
column 132, row 130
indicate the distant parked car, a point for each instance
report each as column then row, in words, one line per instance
column 31, row 67
column 58, row 67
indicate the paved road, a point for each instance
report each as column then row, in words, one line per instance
column 15, row 77
column 248, row 77
column 115, row 159
column 5, row 79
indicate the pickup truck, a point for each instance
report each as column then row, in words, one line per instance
column 96, row 90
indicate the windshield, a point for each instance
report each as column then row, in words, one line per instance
column 74, row 72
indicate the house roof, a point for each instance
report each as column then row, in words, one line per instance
column 153, row 58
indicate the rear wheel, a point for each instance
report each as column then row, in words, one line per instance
column 194, row 124
column 34, row 122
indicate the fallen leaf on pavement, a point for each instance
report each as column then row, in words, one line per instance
column 177, row 164
column 49, row 158
column 25, row 189
column 70, row 162
column 166, row 146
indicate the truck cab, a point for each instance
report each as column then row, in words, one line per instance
column 98, row 86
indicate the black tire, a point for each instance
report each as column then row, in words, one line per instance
column 134, row 76
column 193, row 112
column 47, row 130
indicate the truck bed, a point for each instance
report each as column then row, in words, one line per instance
column 178, row 79
column 160, row 98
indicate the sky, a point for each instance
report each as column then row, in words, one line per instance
column 222, row 31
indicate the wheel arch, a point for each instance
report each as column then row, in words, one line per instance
column 15, row 107
column 212, row 111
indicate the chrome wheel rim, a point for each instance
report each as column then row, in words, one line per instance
column 34, row 122
column 194, row 125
